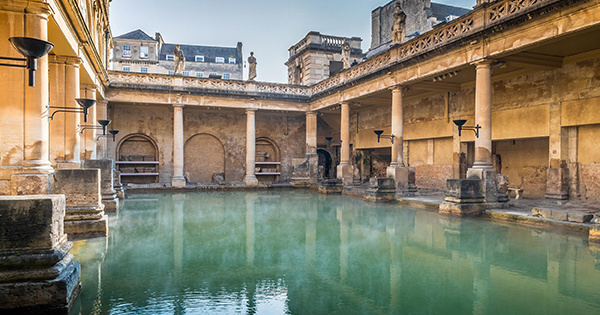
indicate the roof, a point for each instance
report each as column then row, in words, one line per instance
column 136, row 35
column 441, row 11
column 209, row 52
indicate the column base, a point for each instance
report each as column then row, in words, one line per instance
column 37, row 166
column 489, row 188
column 345, row 172
column 381, row 189
column 67, row 165
column 178, row 182
column 30, row 184
column 331, row 186
column 251, row 180
column 405, row 180
column 557, row 184
column 110, row 201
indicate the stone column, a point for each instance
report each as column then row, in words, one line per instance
column 64, row 135
column 178, row 178
column 250, row 178
column 311, row 132
column 344, row 170
column 89, row 135
column 483, row 115
column 403, row 176
column 23, row 114
column 483, row 168
column 102, row 144
column 397, row 127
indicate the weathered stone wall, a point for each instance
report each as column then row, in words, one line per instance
column 214, row 140
column 382, row 19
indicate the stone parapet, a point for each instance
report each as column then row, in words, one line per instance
column 85, row 216
column 37, row 274
column 463, row 198
column 109, row 194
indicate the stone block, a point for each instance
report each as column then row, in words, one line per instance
column 579, row 217
column 118, row 186
column 462, row 209
column 331, row 186
column 29, row 184
column 345, row 173
column 463, row 191
column 31, row 222
column 381, row 189
column 406, row 189
column 489, row 188
column 109, row 194
column 502, row 182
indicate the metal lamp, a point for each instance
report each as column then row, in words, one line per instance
column 460, row 123
column 380, row 134
column 32, row 49
column 85, row 104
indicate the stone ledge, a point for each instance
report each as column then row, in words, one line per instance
column 562, row 215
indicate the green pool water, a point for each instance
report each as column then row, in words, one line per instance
column 303, row 253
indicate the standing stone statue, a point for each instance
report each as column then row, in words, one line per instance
column 179, row 60
column 346, row 54
column 398, row 28
column 251, row 66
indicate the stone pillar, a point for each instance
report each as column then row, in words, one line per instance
column 37, row 274
column 483, row 115
column 89, row 135
column 250, row 178
column 24, row 119
column 64, row 135
column 178, row 178
column 404, row 177
column 311, row 132
column 102, row 144
column 483, row 169
column 344, row 170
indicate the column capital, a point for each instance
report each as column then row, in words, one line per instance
column 102, row 102
column 178, row 105
column 311, row 113
column 37, row 7
column 483, row 63
column 251, row 110
column 399, row 89
column 345, row 103
column 68, row 60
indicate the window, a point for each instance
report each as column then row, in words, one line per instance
column 200, row 74
column 212, row 74
column 226, row 76
column 170, row 57
column 144, row 69
column 186, row 73
column 171, row 72
column 220, row 59
column 199, row 58
column 144, row 52
column 231, row 60
column 126, row 68
column 126, row 51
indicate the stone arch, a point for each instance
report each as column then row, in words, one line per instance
column 137, row 147
column 267, row 150
column 325, row 164
column 204, row 157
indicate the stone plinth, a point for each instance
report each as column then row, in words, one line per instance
column 345, row 172
column 381, row 189
column 331, row 186
column 117, row 184
column 405, row 180
column 109, row 195
column 37, row 274
column 463, row 198
column 557, row 183
column 502, row 182
column 303, row 170
column 489, row 187
column 85, row 216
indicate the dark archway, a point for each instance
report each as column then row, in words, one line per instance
column 324, row 164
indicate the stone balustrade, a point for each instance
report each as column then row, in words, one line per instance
column 482, row 17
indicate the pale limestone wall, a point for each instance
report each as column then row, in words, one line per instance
column 382, row 19
column 225, row 127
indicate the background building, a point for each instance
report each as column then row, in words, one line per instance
column 136, row 51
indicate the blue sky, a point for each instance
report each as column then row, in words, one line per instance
column 266, row 27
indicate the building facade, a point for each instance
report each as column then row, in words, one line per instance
column 136, row 51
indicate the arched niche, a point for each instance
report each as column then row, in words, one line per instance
column 268, row 160
column 204, row 159
column 137, row 159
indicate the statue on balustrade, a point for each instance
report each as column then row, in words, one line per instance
column 179, row 60
column 399, row 26
column 251, row 66
column 346, row 54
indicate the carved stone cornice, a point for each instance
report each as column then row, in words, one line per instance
column 36, row 7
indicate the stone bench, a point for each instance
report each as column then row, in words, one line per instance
column 518, row 191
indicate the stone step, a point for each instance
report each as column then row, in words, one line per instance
column 580, row 216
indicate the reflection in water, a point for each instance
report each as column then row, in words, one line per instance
column 303, row 253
